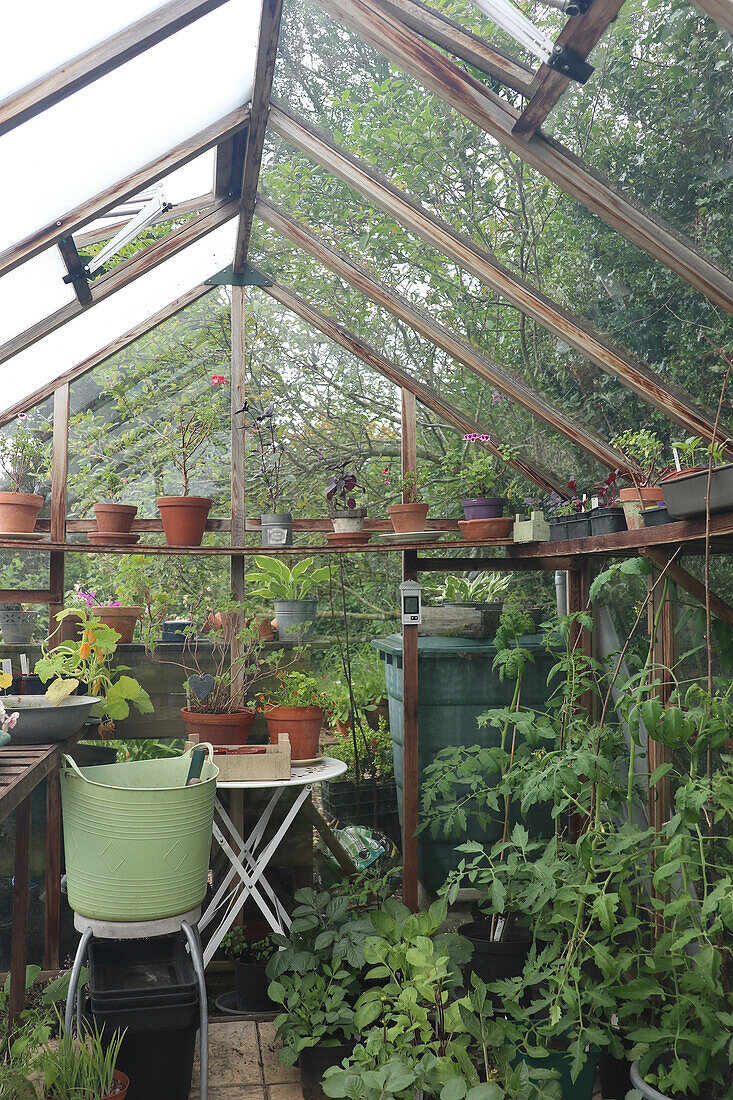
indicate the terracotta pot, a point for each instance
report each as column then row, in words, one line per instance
column 302, row 725
column 634, row 501
column 380, row 711
column 114, row 519
column 121, row 619
column 184, row 519
column 19, row 511
column 123, row 1084
column 219, row 729
column 344, row 728
column 673, row 474
column 408, row 518
column 264, row 629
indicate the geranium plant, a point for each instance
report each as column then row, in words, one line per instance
column 298, row 689
column 403, row 486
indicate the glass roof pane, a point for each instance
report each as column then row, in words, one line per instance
column 123, row 121
column 57, row 33
column 32, row 291
column 98, row 326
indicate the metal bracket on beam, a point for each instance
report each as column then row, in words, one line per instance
column 566, row 61
column 249, row 277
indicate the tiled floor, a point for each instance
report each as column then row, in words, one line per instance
column 243, row 1064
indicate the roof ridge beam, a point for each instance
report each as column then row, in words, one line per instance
column 425, row 394
column 126, row 273
column 100, row 59
column 464, row 352
column 467, row 95
column 154, row 170
column 720, row 11
column 481, row 263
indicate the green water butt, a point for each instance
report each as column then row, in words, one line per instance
column 456, row 683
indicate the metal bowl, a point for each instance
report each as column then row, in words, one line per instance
column 39, row 722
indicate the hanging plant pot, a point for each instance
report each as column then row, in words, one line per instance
column 184, row 519
column 302, row 725
column 483, row 507
column 122, row 619
column 218, row 729
column 635, row 501
column 114, row 519
column 277, row 529
column 408, row 519
column 347, row 520
column 19, row 512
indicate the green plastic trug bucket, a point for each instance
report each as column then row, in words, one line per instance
column 137, row 840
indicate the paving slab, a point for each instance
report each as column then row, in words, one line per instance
column 275, row 1073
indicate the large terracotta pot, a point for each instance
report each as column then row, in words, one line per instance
column 122, row 619
column 218, row 729
column 19, row 512
column 114, row 519
column 408, row 518
column 184, row 519
column 635, row 501
column 302, row 725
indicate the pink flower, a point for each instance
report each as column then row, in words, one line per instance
column 219, row 380
column 11, row 719
column 485, row 438
column 496, row 397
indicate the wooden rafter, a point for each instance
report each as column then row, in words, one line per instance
column 721, row 11
column 442, row 31
column 125, row 274
column 73, row 264
column 485, row 266
column 229, row 166
column 100, row 59
column 478, row 103
column 153, row 171
column 92, row 361
column 262, row 89
column 425, row 394
column 461, row 350
column 678, row 574
column 580, row 34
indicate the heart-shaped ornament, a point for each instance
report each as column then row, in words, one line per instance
column 201, row 686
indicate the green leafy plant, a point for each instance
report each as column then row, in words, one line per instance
column 22, row 1046
column 484, row 474
column 645, row 451
column 298, row 689
column 88, row 660
column 81, row 1067
column 274, row 580
column 403, row 486
column 374, row 751
column 694, row 451
column 483, row 587
column 237, row 946
column 25, row 456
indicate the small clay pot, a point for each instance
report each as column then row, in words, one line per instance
column 114, row 519
column 218, row 729
column 408, row 518
column 302, row 725
column 19, row 512
column 184, row 519
column 634, row 501
column 121, row 619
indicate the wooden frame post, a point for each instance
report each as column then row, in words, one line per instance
column 59, row 471
column 21, row 887
column 410, row 766
column 661, row 619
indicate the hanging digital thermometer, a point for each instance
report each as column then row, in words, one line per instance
column 411, row 600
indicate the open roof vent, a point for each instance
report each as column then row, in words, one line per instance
column 507, row 15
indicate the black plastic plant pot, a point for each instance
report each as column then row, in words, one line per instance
column 495, row 959
column 313, row 1063
column 615, row 1074
column 251, row 983
column 685, row 496
column 655, row 517
column 174, row 631
column 578, row 527
column 607, row 521
column 558, row 529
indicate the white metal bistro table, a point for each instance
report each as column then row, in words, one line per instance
column 248, row 859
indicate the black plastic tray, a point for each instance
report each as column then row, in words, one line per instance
column 157, row 968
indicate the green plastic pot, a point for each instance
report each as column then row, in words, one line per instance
column 561, row 1061
column 136, row 838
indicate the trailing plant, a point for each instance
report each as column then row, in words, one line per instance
column 274, row 580
column 88, row 661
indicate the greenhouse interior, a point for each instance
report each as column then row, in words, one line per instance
column 366, row 512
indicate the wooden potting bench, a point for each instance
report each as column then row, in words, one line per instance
column 22, row 769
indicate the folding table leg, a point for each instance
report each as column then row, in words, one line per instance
column 21, row 887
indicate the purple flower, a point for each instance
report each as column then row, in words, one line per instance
column 496, row 398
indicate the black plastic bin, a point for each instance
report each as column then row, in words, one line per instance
column 340, row 801
column 147, row 987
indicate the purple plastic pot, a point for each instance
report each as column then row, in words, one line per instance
column 483, row 507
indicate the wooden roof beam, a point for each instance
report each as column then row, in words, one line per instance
column 92, row 361
column 123, row 275
column 100, row 59
column 720, row 11
column 462, row 351
column 485, row 266
column 580, row 34
column 442, row 31
column 262, row 90
column 470, row 97
column 70, row 222
column 425, row 394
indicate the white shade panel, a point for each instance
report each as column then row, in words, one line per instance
column 31, row 292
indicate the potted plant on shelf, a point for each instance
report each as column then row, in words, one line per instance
column 606, row 517
column 114, row 519
column 290, row 591
column 298, row 706
column 482, row 480
column 644, row 452
column 250, row 958
column 410, row 516
column 83, row 1067
column 341, row 484
column 87, row 660
column 271, row 448
column 686, row 489
column 112, row 613
column 480, row 591
column 25, row 459
column 219, row 707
